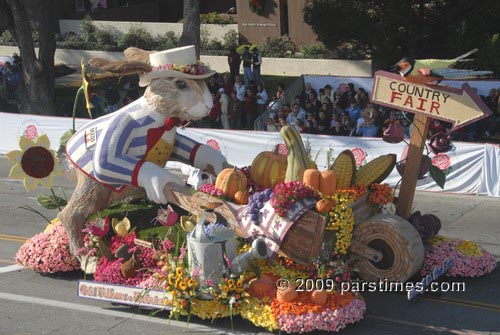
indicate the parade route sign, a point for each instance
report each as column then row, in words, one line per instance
column 458, row 106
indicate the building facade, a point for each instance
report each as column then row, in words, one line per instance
column 279, row 17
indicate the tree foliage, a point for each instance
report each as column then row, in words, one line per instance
column 32, row 22
column 387, row 30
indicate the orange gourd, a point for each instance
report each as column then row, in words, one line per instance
column 287, row 295
column 328, row 182
column 312, row 178
column 231, row 181
column 324, row 205
column 319, row 297
column 262, row 287
column 268, row 168
column 241, row 198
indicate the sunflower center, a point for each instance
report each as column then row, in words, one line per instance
column 37, row 162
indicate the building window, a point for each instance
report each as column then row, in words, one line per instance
column 80, row 5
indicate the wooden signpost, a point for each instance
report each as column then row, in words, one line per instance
column 458, row 106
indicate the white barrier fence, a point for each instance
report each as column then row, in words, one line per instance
column 270, row 66
column 471, row 168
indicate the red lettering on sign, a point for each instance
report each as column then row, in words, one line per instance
column 409, row 101
column 395, row 95
column 435, row 105
column 421, row 104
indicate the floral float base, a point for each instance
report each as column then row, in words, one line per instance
column 469, row 259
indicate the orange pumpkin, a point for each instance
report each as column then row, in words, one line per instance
column 268, row 168
column 231, row 181
column 312, row 178
column 262, row 287
column 287, row 295
column 328, row 182
column 241, row 198
column 324, row 205
column 319, row 297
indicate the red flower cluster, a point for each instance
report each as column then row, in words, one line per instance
column 251, row 185
column 256, row 6
column 380, row 194
column 286, row 194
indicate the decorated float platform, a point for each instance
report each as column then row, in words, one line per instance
column 275, row 252
column 279, row 243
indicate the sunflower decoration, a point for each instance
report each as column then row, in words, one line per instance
column 35, row 163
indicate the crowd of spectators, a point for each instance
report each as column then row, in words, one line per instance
column 347, row 111
column 10, row 77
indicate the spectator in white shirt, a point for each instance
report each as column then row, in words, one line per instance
column 224, row 108
column 261, row 98
column 297, row 113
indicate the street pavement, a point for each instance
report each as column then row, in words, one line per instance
column 34, row 304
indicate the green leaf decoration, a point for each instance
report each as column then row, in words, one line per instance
column 438, row 176
column 50, row 201
column 121, row 208
column 66, row 136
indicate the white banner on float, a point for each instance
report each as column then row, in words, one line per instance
column 470, row 167
column 126, row 295
column 13, row 126
column 463, row 165
column 483, row 86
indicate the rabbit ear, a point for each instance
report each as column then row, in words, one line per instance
column 137, row 55
column 120, row 67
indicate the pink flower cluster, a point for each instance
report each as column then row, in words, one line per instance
column 48, row 252
column 286, row 194
column 463, row 265
column 212, row 190
column 193, row 69
column 108, row 271
column 328, row 320
column 153, row 283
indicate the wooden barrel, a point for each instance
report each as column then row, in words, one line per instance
column 399, row 243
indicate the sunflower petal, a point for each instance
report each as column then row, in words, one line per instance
column 25, row 143
column 16, row 172
column 30, row 183
column 43, row 141
column 126, row 223
column 114, row 222
column 15, row 156
column 48, row 181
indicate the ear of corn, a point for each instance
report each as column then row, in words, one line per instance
column 298, row 159
column 344, row 167
column 376, row 170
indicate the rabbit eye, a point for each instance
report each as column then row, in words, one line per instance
column 181, row 84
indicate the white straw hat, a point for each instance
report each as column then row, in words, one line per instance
column 176, row 63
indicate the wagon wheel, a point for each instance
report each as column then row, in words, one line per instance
column 399, row 243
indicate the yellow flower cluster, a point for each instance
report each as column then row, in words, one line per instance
column 182, row 287
column 230, row 288
column 437, row 240
column 259, row 313
column 341, row 220
column 276, row 269
column 469, row 248
column 209, row 309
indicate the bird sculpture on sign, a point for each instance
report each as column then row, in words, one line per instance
column 433, row 71
column 131, row 146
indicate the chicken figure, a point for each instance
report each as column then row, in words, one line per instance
column 432, row 71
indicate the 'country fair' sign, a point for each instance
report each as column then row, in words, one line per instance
column 458, row 106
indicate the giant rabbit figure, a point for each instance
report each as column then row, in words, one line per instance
column 132, row 145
